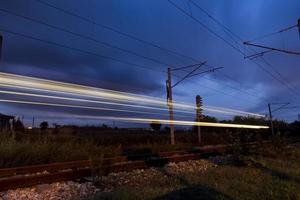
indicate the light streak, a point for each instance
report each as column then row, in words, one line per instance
column 88, row 101
column 205, row 108
column 82, row 107
column 186, row 123
column 75, row 89
column 74, row 106
column 164, row 121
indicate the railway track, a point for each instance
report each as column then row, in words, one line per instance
column 12, row 178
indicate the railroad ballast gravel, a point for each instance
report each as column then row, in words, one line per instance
column 62, row 191
column 74, row 190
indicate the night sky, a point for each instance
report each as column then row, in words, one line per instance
column 241, row 84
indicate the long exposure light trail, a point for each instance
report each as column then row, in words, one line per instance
column 175, row 122
column 30, row 83
column 89, row 101
column 75, row 106
column 74, row 88
column 205, row 108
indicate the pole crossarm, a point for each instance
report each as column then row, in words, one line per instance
column 189, row 66
column 260, row 54
column 280, row 107
column 274, row 33
column 291, row 107
column 207, row 71
column 188, row 75
column 272, row 48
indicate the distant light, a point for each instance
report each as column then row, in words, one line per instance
column 29, row 128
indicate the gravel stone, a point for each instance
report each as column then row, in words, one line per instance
column 73, row 190
column 63, row 190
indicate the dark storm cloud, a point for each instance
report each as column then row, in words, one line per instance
column 160, row 22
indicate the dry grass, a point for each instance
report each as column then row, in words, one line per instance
column 274, row 176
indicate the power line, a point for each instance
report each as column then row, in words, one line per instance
column 273, row 49
column 78, row 49
column 215, row 20
column 82, row 36
column 99, row 55
column 204, row 26
column 223, row 39
column 91, row 39
column 114, row 30
column 274, row 33
column 120, row 32
column 234, row 34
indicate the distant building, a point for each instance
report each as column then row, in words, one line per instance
column 5, row 122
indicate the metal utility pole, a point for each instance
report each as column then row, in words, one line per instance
column 32, row 125
column 170, row 105
column 169, row 87
column 271, row 119
column 283, row 105
column 199, row 116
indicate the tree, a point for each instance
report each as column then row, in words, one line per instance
column 206, row 118
column 155, row 125
column 44, row 125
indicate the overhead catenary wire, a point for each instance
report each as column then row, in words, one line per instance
column 205, row 26
column 92, row 39
column 234, row 34
column 88, row 20
column 82, row 36
column 110, row 28
column 99, row 55
column 228, row 43
column 79, row 50
column 273, row 33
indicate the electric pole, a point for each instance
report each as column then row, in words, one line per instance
column 283, row 105
column 32, row 125
column 170, row 105
column 199, row 116
column 271, row 119
column 169, row 88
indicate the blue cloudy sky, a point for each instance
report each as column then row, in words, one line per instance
column 241, row 84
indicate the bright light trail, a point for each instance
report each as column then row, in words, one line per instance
column 75, row 89
column 75, row 106
column 88, row 101
column 83, row 107
column 205, row 108
column 175, row 122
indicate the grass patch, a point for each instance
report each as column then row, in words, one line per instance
column 42, row 149
column 266, row 177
